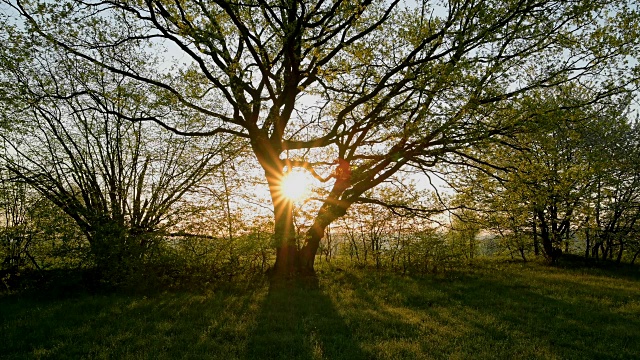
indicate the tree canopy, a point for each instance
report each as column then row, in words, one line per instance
column 384, row 87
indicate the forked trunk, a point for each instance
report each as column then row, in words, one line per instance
column 293, row 260
column 550, row 251
column 289, row 258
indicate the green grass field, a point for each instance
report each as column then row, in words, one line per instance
column 490, row 311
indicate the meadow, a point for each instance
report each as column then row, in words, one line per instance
column 489, row 310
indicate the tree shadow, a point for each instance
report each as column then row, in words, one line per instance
column 118, row 325
column 536, row 313
column 538, row 317
column 298, row 320
column 491, row 315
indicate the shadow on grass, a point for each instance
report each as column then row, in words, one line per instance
column 507, row 312
column 298, row 320
column 493, row 315
column 607, row 268
column 548, row 318
column 182, row 325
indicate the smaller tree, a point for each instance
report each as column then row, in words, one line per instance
column 34, row 234
column 67, row 136
column 16, row 235
column 540, row 181
column 615, row 215
column 465, row 228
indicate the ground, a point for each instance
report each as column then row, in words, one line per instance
column 490, row 310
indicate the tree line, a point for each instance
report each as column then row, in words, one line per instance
column 130, row 119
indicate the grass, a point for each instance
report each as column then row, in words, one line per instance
column 490, row 311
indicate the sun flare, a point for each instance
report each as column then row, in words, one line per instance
column 296, row 185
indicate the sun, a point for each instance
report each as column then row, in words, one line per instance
column 296, row 185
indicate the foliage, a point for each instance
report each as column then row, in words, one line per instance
column 613, row 221
column 463, row 234
column 122, row 182
column 543, row 185
column 371, row 236
column 34, row 234
column 374, row 84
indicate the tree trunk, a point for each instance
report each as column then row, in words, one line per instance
column 606, row 249
column 284, row 230
column 524, row 258
column 285, row 239
column 588, row 243
column 289, row 258
column 550, row 251
column 635, row 256
column 536, row 244
column 329, row 212
column 620, row 252
column 566, row 239
column 547, row 244
column 307, row 255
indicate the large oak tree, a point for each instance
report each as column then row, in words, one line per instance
column 379, row 86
